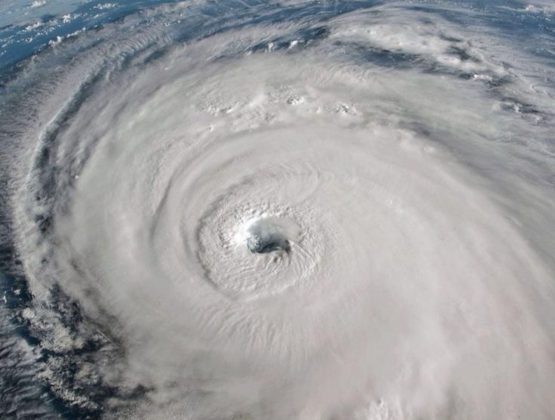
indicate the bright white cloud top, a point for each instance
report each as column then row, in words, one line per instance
column 345, row 216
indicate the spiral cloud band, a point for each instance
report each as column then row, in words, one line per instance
column 284, row 211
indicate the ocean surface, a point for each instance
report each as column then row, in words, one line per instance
column 245, row 209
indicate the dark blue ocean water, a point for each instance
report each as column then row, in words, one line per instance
column 28, row 27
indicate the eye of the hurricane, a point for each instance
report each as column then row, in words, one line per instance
column 265, row 236
column 249, row 254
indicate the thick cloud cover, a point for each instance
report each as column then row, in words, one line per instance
column 288, row 211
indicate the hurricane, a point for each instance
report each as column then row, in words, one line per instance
column 293, row 209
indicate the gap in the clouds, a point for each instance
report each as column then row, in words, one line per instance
column 266, row 236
